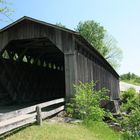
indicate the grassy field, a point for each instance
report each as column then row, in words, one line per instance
column 131, row 82
column 64, row 131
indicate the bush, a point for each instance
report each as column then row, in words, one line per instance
column 129, row 100
column 86, row 103
column 137, row 80
column 131, row 125
column 131, row 121
column 128, row 95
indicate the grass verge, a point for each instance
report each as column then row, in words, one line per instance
column 65, row 131
column 131, row 82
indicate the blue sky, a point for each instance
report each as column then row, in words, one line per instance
column 121, row 18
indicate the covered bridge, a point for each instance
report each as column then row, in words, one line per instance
column 40, row 61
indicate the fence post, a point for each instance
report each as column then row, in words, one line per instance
column 39, row 116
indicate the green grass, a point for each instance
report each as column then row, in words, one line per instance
column 63, row 131
column 131, row 82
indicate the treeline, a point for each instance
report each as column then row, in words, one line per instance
column 130, row 77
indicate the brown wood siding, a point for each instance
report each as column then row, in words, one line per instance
column 29, row 30
column 90, row 68
column 63, row 40
column 80, row 62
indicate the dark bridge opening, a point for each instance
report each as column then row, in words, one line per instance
column 31, row 71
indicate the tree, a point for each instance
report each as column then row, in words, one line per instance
column 5, row 11
column 130, row 77
column 60, row 25
column 98, row 37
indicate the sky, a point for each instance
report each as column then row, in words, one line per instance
column 121, row 18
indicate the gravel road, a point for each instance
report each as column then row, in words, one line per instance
column 124, row 86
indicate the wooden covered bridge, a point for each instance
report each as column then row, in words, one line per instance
column 40, row 62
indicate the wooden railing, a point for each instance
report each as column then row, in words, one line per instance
column 18, row 118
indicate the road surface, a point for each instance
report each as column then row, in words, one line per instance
column 124, row 86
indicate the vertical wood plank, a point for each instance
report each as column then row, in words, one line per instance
column 39, row 115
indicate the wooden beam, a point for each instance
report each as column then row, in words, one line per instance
column 17, row 123
column 28, row 116
column 32, row 43
column 52, row 112
column 39, row 116
column 29, row 109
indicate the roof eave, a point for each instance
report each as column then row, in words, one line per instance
column 40, row 22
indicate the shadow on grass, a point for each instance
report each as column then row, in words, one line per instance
column 14, row 131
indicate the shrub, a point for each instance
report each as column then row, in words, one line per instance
column 128, row 95
column 131, row 125
column 129, row 100
column 86, row 102
column 137, row 80
column 131, row 121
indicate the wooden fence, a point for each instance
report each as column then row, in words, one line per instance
column 35, row 113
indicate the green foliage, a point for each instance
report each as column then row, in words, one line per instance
column 86, row 102
column 60, row 25
column 130, row 78
column 130, row 100
column 131, row 121
column 137, row 80
column 94, row 33
column 128, row 95
column 131, row 125
column 97, row 36
column 5, row 10
column 114, row 54
column 127, row 76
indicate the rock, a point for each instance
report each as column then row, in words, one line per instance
column 61, row 114
column 72, row 120
column 56, row 120
column 64, row 120
column 115, row 126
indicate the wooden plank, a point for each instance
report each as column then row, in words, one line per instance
column 17, row 112
column 16, row 124
column 20, row 120
column 70, row 73
column 39, row 116
column 29, row 109
column 42, row 105
column 86, row 68
column 17, row 119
